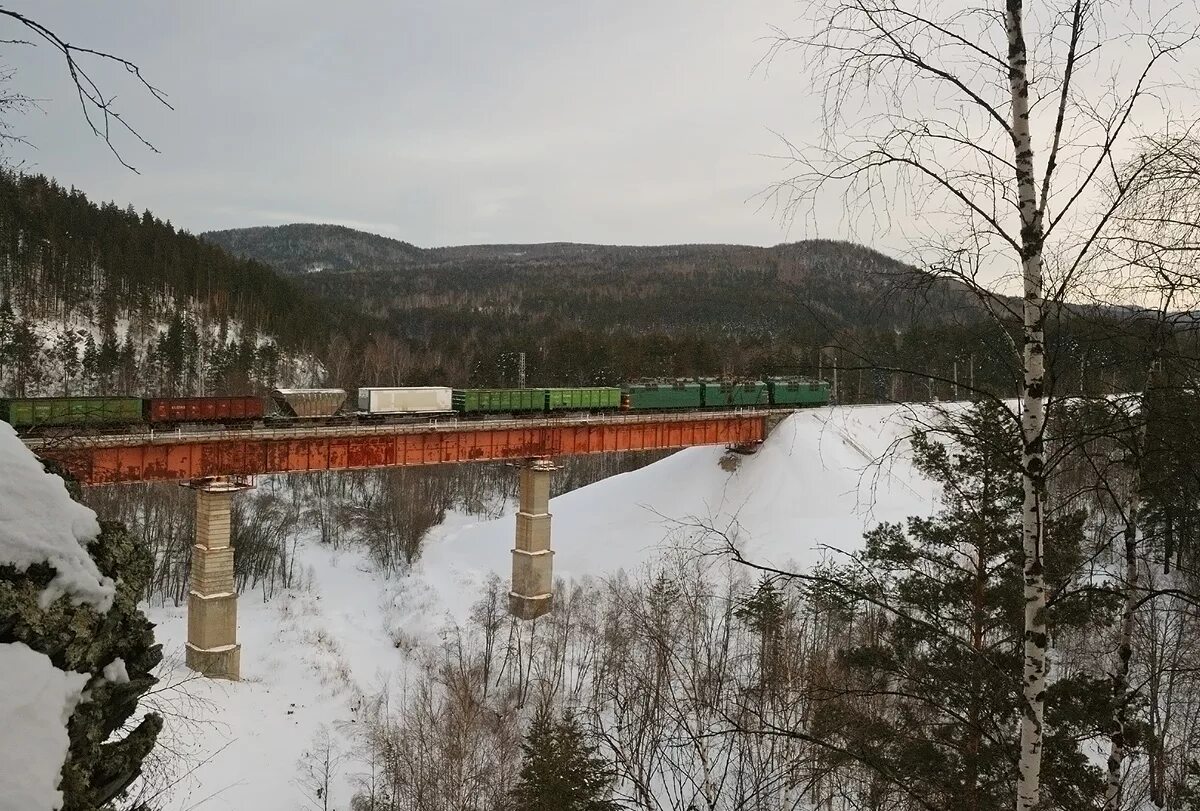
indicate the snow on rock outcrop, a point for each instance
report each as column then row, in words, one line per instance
column 39, row 523
column 36, row 702
column 115, row 671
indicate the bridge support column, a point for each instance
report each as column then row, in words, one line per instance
column 532, row 557
column 212, row 647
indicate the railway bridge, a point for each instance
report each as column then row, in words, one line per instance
column 217, row 464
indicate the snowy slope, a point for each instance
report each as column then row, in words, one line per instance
column 51, row 334
column 308, row 655
column 813, row 484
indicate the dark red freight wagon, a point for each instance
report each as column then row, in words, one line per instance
column 160, row 410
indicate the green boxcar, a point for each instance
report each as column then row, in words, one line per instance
column 480, row 401
column 724, row 394
column 30, row 412
column 798, row 392
column 584, row 399
column 668, row 394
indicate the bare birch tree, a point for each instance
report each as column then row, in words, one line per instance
column 98, row 106
column 1152, row 253
column 996, row 128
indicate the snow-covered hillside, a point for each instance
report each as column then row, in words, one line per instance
column 56, row 356
column 310, row 655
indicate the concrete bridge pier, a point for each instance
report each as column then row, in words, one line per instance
column 212, row 646
column 532, row 557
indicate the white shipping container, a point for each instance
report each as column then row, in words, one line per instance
column 404, row 399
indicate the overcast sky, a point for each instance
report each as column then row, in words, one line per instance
column 435, row 121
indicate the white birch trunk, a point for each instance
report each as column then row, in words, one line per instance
column 1033, row 419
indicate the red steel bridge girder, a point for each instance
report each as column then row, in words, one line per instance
column 94, row 463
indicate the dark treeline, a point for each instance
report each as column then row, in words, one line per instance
column 64, row 254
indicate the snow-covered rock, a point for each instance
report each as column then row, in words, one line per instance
column 36, row 702
column 39, row 523
column 115, row 672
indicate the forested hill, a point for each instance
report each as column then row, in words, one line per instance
column 827, row 284
column 606, row 314
column 308, row 247
column 96, row 297
column 601, row 313
column 301, row 248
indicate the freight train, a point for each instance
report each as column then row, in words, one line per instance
column 305, row 406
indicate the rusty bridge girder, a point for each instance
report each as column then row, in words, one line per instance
column 124, row 458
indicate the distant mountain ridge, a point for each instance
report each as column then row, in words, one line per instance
column 605, row 314
column 313, row 247
column 662, row 286
column 586, row 313
column 308, row 247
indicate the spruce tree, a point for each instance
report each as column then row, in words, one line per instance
column 764, row 611
column 562, row 770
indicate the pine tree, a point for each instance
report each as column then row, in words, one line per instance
column 561, row 771
column 91, row 360
column 932, row 701
column 107, row 361
column 128, row 381
column 25, row 357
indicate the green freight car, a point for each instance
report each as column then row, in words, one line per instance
column 798, row 392
column 85, row 411
column 583, row 399
column 665, row 394
column 727, row 394
column 498, row 401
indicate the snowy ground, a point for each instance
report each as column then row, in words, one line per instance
column 309, row 653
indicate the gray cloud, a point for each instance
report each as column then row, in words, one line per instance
column 458, row 121
column 435, row 122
